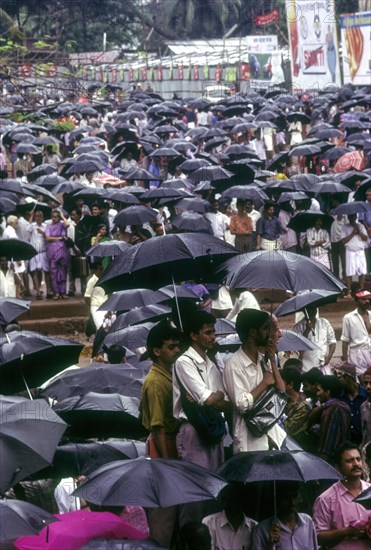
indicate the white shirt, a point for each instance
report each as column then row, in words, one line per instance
column 240, row 377
column 323, row 336
column 217, row 223
column 63, row 496
column 355, row 331
column 337, row 228
column 245, row 300
column 189, row 368
column 224, row 537
column 96, row 294
column 254, row 215
column 356, row 243
column 7, row 284
column 9, row 233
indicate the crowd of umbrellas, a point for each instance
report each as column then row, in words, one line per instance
column 102, row 401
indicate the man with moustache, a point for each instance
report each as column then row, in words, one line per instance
column 339, row 521
column 247, row 375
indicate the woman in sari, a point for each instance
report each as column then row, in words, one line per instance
column 57, row 253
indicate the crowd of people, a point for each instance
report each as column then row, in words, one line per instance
column 240, row 180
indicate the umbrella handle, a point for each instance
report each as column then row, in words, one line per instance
column 27, row 387
column 177, row 303
column 307, row 319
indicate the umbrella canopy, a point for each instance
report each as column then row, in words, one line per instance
column 304, row 299
column 278, row 269
column 164, row 152
column 108, row 248
column 192, row 222
column 194, row 205
column 138, row 174
column 15, row 249
column 360, row 194
column 158, row 483
column 130, row 337
column 19, row 518
column 246, row 192
column 305, row 151
column 126, row 300
column 293, row 341
column 135, row 215
column 163, row 193
column 364, row 498
column 168, row 292
column 98, row 378
column 157, row 261
column 192, row 165
column 329, row 187
column 101, row 415
column 355, row 207
column 139, row 315
column 33, row 357
column 29, row 434
column 350, row 161
column 306, row 220
column 210, row 173
column 276, row 466
column 76, row 529
column 11, row 309
column 292, row 196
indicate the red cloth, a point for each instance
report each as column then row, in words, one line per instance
column 354, row 160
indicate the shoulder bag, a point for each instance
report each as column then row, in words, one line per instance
column 266, row 411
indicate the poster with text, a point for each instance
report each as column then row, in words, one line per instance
column 356, row 44
column 313, row 44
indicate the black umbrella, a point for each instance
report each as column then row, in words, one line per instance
column 364, row 498
column 99, row 378
column 131, row 337
column 215, row 142
column 47, row 140
column 164, row 152
column 7, row 206
column 305, row 299
column 101, row 415
column 192, row 165
column 192, row 222
column 258, row 466
column 11, row 309
column 335, row 154
column 30, row 357
column 360, row 194
column 292, row 196
column 15, row 249
column 355, row 207
column 278, row 269
column 164, row 192
column 246, row 192
column 27, row 148
column 51, row 181
column 37, row 190
column 109, row 248
column 126, row 300
column 223, row 327
column 170, row 257
column 299, row 117
column 19, row 518
column 139, row 315
column 168, row 292
column 12, row 185
column 289, row 341
column 204, row 186
column 136, row 190
column 135, row 215
column 158, row 483
column 122, row 196
column 29, row 434
column 305, row 151
column 177, row 183
column 306, row 220
column 84, row 166
column 42, row 170
column 329, row 187
column 210, row 173
column 194, row 205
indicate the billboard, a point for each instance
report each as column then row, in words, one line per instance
column 356, row 44
column 313, row 44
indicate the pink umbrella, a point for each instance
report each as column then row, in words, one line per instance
column 76, row 529
column 354, row 160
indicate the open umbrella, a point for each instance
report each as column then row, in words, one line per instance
column 350, row 161
column 364, row 498
column 98, row 378
column 360, row 194
column 329, row 187
column 164, row 192
column 12, row 308
column 355, row 207
column 194, row 205
column 167, row 259
column 19, row 518
column 192, row 222
column 15, row 249
column 292, row 196
column 139, row 315
column 255, row 466
column 76, row 529
column 135, row 215
column 192, row 165
column 101, row 415
column 131, row 337
column 168, row 292
column 210, row 173
column 277, row 269
column 158, row 483
column 164, row 152
column 29, row 434
column 293, row 341
column 126, row 300
column 29, row 358
column 246, row 192
column 138, row 174
column 305, row 151
column 304, row 299
column 108, row 248
column 306, row 220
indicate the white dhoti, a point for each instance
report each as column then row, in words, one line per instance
column 266, row 244
column 355, row 263
column 361, row 358
column 39, row 262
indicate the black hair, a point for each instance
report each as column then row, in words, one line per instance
column 331, row 383
column 97, row 204
column 292, row 376
column 268, row 205
column 159, row 334
column 249, row 319
column 339, row 451
column 199, row 319
column 240, row 202
column 195, row 535
column 77, row 210
column 116, row 353
column 293, row 364
column 312, row 376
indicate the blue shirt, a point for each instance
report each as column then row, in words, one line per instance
column 303, row 535
column 268, row 229
column 355, row 413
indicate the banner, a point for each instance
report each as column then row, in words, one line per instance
column 313, row 44
column 268, row 18
column 159, row 73
column 195, row 72
column 355, row 31
column 266, row 70
column 143, row 73
column 244, row 71
column 180, row 72
column 261, row 44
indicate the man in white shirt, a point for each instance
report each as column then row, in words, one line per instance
column 356, row 333
column 230, row 529
column 319, row 331
column 7, row 282
column 95, row 296
column 354, row 237
column 244, row 378
column 244, row 300
column 217, row 220
column 254, row 215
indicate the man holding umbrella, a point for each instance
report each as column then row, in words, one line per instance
column 247, row 375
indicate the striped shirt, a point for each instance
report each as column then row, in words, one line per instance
column 334, row 427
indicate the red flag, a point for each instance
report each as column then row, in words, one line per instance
column 244, row 71
column 159, row 73
column 218, row 75
column 180, row 71
column 131, row 74
column 195, row 72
